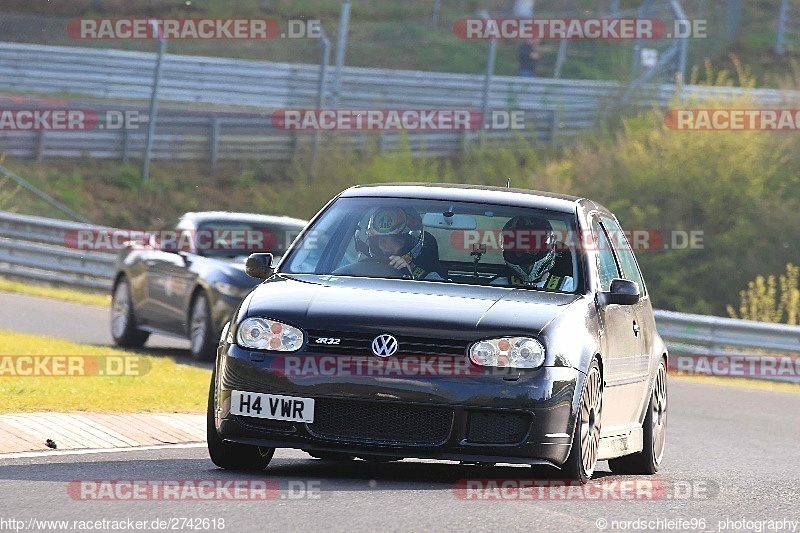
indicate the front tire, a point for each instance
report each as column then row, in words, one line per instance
column 201, row 330
column 582, row 458
column 654, row 433
column 231, row 455
column 123, row 320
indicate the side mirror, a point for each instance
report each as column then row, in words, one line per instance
column 259, row 266
column 623, row 292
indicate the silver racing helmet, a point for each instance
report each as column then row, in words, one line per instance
column 394, row 222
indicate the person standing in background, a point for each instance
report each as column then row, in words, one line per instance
column 528, row 55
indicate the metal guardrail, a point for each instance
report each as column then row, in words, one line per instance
column 558, row 109
column 718, row 334
column 35, row 247
column 225, row 136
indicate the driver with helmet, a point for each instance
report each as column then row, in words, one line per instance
column 396, row 236
column 529, row 250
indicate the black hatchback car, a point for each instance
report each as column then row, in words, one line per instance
column 466, row 323
column 186, row 280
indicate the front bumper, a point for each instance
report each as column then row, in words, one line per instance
column 517, row 417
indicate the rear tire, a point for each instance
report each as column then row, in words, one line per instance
column 582, row 458
column 654, row 433
column 201, row 331
column 231, row 455
column 123, row 319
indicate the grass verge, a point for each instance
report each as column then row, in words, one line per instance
column 166, row 387
column 779, row 386
column 56, row 293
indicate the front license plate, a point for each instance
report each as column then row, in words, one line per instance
column 272, row 406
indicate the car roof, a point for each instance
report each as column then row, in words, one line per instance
column 476, row 193
column 200, row 217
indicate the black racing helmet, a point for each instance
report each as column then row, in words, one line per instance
column 529, row 246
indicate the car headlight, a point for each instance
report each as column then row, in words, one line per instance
column 517, row 352
column 231, row 290
column 265, row 334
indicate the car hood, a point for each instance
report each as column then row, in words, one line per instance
column 403, row 307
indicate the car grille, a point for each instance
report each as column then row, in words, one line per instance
column 263, row 423
column 381, row 422
column 352, row 343
column 497, row 428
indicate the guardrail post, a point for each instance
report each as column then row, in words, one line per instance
column 40, row 145
column 487, row 82
column 214, row 140
column 125, row 145
column 553, row 127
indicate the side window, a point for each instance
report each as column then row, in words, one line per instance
column 630, row 269
column 607, row 265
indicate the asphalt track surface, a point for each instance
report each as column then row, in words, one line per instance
column 82, row 323
column 731, row 464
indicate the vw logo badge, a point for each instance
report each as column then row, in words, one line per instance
column 384, row 345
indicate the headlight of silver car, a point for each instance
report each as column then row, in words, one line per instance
column 516, row 352
column 265, row 334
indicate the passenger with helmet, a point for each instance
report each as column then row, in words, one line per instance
column 397, row 236
column 532, row 257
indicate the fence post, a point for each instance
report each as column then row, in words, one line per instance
column 783, row 13
column 560, row 58
column 487, row 81
column 323, row 78
column 341, row 46
column 151, row 124
column 641, row 13
column 683, row 44
column 734, row 17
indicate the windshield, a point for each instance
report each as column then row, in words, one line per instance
column 236, row 238
column 433, row 240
